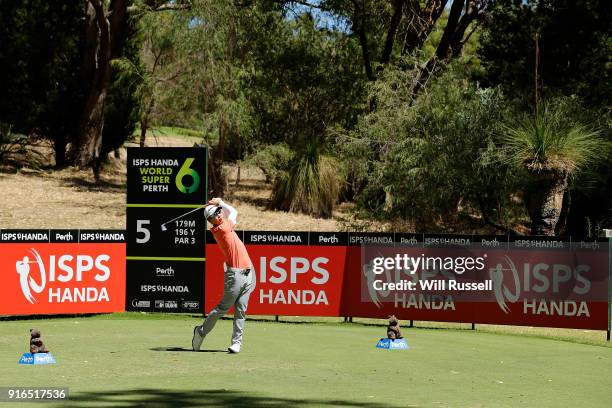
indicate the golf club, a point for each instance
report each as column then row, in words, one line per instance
column 163, row 226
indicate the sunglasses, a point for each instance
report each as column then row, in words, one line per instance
column 216, row 213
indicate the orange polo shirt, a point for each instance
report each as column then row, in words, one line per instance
column 233, row 249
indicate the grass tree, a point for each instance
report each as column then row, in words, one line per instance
column 551, row 149
column 311, row 185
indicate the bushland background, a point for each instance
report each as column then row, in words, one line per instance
column 460, row 116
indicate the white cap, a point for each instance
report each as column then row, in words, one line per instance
column 210, row 210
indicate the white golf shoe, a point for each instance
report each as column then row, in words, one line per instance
column 234, row 348
column 197, row 339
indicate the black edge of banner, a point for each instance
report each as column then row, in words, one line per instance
column 317, row 238
column 87, row 236
column 371, row 238
column 409, row 239
column 537, row 242
column 60, row 236
column 448, row 240
column 275, row 238
column 24, row 235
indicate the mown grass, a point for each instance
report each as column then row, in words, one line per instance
column 133, row 359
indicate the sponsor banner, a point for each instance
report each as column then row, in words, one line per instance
column 166, row 229
column 166, row 175
column 328, row 238
column 101, row 236
column 360, row 299
column 165, row 286
column 275, row 238
column 539, row 287
column 59, row 236
column 290, row 280
column 45, row 278
column 447, row 241
column 29, row 235
column 490, row 242
column 371, row 238
column 409, row 240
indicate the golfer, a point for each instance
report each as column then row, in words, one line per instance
column 239, row 279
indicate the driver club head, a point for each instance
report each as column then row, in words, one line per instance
column 163, row 227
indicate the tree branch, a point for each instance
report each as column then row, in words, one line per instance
column 164, row 7
column 307, row 4
column 422, row 22
column 474, row 9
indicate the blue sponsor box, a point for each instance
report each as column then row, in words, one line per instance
column 389, row 344
column 37, row 358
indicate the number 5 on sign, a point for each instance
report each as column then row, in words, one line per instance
column 140, row 228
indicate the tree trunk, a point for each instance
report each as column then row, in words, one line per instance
column 59, row 145
column 104, row 37
column 85, row 148
column 561, row 225
column 217, row 181
column 544, row 199
column 144, row 121
column 89, row 143
column 143, row 131
column 398, row 6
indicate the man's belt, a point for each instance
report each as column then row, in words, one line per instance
column 244, row 271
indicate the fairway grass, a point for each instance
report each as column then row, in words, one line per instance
column 126, row 361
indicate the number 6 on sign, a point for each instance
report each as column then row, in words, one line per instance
column 145, row 231
column 185, row 170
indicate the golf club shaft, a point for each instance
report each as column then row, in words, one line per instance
column 182, row 215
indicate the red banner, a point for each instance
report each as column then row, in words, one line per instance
column 548, row 288
column 531, row 281
column 53, row 278
column 290, row 279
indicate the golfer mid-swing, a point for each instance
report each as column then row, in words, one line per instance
column 239, row 280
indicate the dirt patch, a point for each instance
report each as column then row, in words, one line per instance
column 43, row 198
column 70, row 198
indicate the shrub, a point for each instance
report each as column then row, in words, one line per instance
column 273, row 160
column 311, row 185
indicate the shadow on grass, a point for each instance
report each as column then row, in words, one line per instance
column 185, row 349
column 204, row 398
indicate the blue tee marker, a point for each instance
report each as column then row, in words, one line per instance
column 389, row 344
column 37, row 358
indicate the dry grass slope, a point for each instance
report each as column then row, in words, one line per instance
column 70, row 198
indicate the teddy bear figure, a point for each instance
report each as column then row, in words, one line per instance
column 393, row 330
column 36, row 343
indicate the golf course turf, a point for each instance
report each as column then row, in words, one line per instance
column 129, row 360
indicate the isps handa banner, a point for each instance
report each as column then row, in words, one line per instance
column 292, row 277
column 533, row 281
column 62, row 271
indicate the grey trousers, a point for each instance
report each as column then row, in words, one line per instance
column 237, row 288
